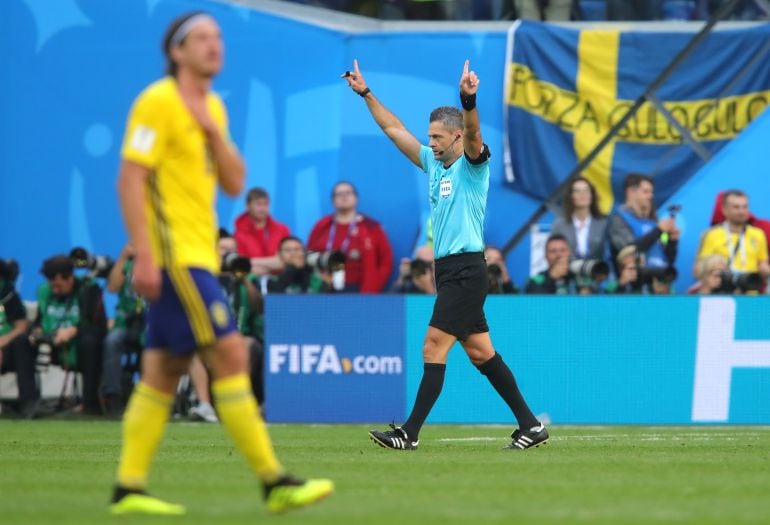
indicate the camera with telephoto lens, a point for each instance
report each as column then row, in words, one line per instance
column 9, row 270
column 741, row 282
column 99, row 265
column 590, row 269
column 235, row 264
column 664, row 275
column 328, row 261
column 418, row 268
column 44, row 343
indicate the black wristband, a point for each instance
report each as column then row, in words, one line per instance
column 364, row 93
column 468, row 101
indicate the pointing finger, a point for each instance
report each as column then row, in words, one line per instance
column 465, row 67
column 355, row 66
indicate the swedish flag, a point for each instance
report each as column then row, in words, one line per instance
column 566, row 88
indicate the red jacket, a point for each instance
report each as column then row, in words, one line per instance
column 258, row 242
column 369, row 255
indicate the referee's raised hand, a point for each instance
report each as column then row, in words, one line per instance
column 469, row 81
column 355, row 79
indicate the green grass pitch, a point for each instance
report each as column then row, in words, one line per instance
column 57, row 472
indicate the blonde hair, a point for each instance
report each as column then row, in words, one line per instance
column 628, row 251
column 705, row 265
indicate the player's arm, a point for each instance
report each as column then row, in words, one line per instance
column 132, row 181
column 472, row 142
column 231, row 170
column 388, row 122
column 230, row 167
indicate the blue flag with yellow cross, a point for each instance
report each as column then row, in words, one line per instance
column 566, row 88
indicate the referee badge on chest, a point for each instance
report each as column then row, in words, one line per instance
column 445, row 187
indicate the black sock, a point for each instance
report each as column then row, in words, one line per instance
column 121, row 492
column 427, row 394
column 502, row 379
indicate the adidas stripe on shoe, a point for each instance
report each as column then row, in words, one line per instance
column 395, row 439
column 524, row 439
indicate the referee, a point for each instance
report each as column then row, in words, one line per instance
column 457, row 163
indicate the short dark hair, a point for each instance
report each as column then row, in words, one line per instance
column 57, row 265
column 733, row 193
column 289, row 238
column 256, row 193
column 634, row 180
column 172, row 67
column 450, row 116
column 224, row 234
column 340, row 183
column 569, row 206
column 555, row 237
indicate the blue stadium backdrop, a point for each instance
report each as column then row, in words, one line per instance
column 594, row 360
column 72, row 67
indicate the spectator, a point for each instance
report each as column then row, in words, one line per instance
column 743, row 245
column 711, row 273
column 71, row 318
column 546, row 10
column 16, row 354
column 497, row 272
column 416, row 275
column 369, row 258
column 635, row 222
column 127, row 333
column 581, row 222
column 557, row 279
column 623, row 10
column 297, row 276
column 628, row 261
column 258, row 235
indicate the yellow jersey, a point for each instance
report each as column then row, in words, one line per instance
column 163, row 136
column 744, row 250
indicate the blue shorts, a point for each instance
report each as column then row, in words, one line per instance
column 191, row 312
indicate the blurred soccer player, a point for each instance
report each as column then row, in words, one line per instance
column 176, row 150
column 457, row 163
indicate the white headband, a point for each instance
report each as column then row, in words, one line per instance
column 188, row 26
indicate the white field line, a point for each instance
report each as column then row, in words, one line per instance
column 689, row 436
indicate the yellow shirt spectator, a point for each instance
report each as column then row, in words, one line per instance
column 744, row 250
column 162, row 135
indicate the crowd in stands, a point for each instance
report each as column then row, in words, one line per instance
column 633, row 251
column 546, row 10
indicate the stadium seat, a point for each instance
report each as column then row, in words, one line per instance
column 592, row 10
column 678, row 9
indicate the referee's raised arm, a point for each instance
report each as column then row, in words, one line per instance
column 390, row 124
column 469, row 85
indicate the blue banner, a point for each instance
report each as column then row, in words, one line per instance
column 578, row 360
column 566, row 88
column 334, row 359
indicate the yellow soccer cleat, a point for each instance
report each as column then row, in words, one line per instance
column 137, row 503
column 290, row 493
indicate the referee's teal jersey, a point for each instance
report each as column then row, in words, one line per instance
column 458, row 202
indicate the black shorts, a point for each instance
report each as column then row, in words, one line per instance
column 461, row 285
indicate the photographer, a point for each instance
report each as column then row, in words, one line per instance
column 635, row 222
column 297, row 276
column 72, row 321
column 497, row 273
column 628, row 273
column 743, row 245
column 557, row 279
column 416, row 275
column 127, row 333
column 713, row 276
column 16, row 354
column 247, row 303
